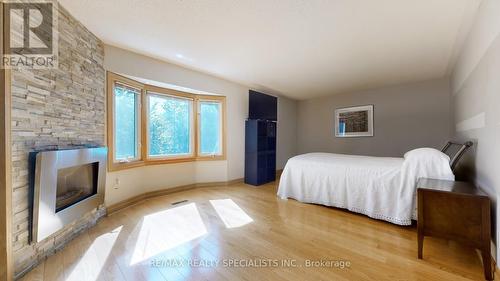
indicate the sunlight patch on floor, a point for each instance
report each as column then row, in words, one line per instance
column 230, row 213
column 167, row 229
column 90, row 265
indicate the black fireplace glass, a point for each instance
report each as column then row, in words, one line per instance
column 75, row 184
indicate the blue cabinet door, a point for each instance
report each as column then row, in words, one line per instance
column 260, row 152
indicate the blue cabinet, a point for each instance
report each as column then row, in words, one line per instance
column 260, row 151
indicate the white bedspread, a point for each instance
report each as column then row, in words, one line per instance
column 379, row 187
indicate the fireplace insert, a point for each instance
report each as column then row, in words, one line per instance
column 67, row 184
column 76, row 183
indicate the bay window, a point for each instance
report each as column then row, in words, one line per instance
column 153, row 125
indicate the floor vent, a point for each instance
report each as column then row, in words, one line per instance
column 179, row 202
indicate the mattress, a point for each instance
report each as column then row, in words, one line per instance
column 379, row 187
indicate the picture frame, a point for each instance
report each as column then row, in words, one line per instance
column 355, row 121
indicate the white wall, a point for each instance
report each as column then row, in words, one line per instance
column 149, row 178
column 476, row 103
column 287, row 131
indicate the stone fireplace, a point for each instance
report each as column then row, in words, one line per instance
column 53, row 109
column 67, row 185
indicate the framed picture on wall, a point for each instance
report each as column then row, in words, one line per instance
column 354, row 121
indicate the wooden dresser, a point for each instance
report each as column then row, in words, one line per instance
column 457, row 211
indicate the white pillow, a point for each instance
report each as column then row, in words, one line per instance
column 425, row 163
column 426, row 154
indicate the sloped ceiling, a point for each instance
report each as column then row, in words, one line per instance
column 297, row 48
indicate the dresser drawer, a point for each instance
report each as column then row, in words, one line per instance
column 452, row 216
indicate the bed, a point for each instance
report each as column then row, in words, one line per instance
column 379, row 187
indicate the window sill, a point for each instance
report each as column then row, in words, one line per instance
column 112, row 167
column 211, row 158
column 158, row 161
column 116, row 166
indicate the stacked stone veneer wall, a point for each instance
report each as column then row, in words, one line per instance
column 56, row 108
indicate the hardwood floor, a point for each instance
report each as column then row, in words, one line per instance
column 244, row 224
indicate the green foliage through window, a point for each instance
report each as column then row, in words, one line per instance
column 169, row 121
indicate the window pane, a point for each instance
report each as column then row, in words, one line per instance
column 210, row 128
column 125, row 122
column 169, row 125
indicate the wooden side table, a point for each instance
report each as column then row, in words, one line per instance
column 457, row 211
